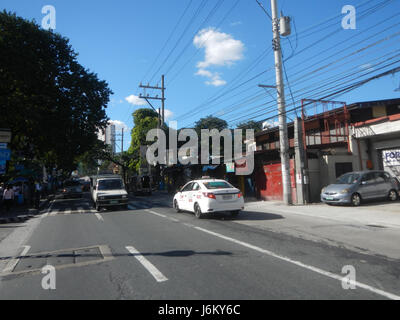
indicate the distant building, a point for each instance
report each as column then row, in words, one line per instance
column 108, row 136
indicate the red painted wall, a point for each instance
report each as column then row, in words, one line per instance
column 269, row 182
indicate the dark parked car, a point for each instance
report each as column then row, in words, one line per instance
column 72, row 189
column 354, row 187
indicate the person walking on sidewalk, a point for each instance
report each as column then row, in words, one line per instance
column 8, row 198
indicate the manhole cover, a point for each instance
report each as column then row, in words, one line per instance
column 65, row 258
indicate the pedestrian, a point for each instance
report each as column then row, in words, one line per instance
column 38, row 193
column 8, row 198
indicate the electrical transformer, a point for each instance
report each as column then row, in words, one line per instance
column 285, row 28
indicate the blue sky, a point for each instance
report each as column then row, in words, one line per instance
column 120, row 40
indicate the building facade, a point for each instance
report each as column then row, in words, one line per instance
column 330, row 139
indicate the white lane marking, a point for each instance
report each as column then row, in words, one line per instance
column 157, row 214
column 173, row 219
column 300, row 264
column 98, row 216
column 55, row 212
column 81, row 210
column 14, row 261
column 67, row 212
column 49, row 209
column 147, row 264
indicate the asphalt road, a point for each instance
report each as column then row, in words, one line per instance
column 151, row 252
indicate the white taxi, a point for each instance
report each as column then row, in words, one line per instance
column 207, row 196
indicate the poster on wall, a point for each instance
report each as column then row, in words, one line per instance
column 391, row 158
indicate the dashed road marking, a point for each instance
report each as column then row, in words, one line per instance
column 157, row 214
column 287, row 259
column 98, row 216
column 147, row 264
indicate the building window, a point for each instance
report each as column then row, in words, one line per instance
column 342, row 168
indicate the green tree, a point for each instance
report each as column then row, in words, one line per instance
column 256, row 126
column 52, row 104
column 210, row 122
column 144, row 120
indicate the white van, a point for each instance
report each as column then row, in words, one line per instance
column 108, row 191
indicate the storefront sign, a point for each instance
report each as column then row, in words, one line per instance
column 5, row 154
column 391, row 158
column 230, row 167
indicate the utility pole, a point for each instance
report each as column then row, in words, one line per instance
column 122, row 142
column 162, row 99
column 283, row 134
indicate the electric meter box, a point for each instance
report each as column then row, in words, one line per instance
column 285, row 28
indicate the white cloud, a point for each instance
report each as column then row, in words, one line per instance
column 168, row 114
column 215, row 77
column 119, row 125
column 221, row 49
column 135, row 100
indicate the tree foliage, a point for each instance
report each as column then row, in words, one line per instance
column 144, row 120
column 256, row 126
column 210, row 123
column 52, row 104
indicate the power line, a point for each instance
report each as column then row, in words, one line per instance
column 265, row 11
column 168, row 40
column 352, row 46
column 199, row 108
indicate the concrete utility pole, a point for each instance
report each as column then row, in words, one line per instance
column 147, row 98
column 283, row 134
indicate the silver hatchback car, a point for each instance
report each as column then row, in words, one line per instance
column 354, row 187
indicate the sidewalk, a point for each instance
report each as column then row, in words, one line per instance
column 21, row 213
column 372, row 213
column 373, row 228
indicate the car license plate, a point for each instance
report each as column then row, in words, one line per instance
column 227, row 197
column 329, row 198
column 114, row 202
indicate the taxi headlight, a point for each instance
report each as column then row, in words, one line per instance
column 323, row 190
column 344, row 191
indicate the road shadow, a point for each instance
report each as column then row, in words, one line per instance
column 172, row 254
column 245, row 216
